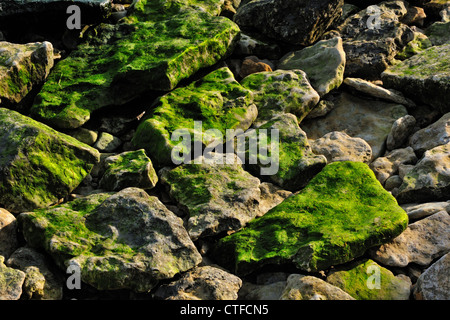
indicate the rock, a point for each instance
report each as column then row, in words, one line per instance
column 387, row 166
column 323, row 62
column 414, row 16
column 321, row 109
column 372, row 37
column 434, row 135
column 11, row 281
column 271, row 196
column 217, row 198
column 115, row 64
column 419, row 43
column 23, row 67
column 293, row 21
column 401, row 130
column 126, row 240
column 270, row 291
column 107, row 142
column 365, row 119
column 41, row 283
column 424, row 77
column 300, row 287
column 339, row 146
column 421, row 243
column 393, row 182
column 250, row 66
column 376, row 91
column 128, row 169
column 434, row 284
column 287, row 161
column 417, row 211
column 281, row 92
column 310, row 228
column 217, row 100
column 39, row 165
column 8, row 233
column 429, row 180
column 438, row 33
column 85, row 135
column 366, row 280
column 249, row 46
column 202, row 283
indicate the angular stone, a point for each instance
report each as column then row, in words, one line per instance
column 343, row 204
column 434, row 283
column 128, row 169
column 281, row 92
column 41, row 283
column 421, row 243
column 22, row 67
column 436, row 134
column 366, row 119
column 339, row 146
column 39, row 165
column 360, row 281
column 438, row 33
column 217, row 198
column 300, row 287
column 425, row 77
column 116, row 63
column 202, row 283
column 421, row 210
column 217, row 100
column 401, row 130
column 126, row 240
column 419, row 43
column 107, row 142
column 323, row 62
column 294, row 21
column 387, row 166
column 8, row 233
column 429, row 180
column 11, row 281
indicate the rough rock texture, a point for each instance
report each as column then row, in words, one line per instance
column 429, row 180
column 366, row 119
column 128, row 169
column 22, row 67
column 421, row 243
column 41, row 283
column 438, row 33
column 281, row 91
column 434, row 283
column 434, row 135
column 360, row 281
column 339, row 146
column 123, row 240
column 39, row 165
column 425, row 77
column 387, row 166
column 115, row 64
column 8, row 233
column 217, row 100
column 11, row 281
column 421, row 210
column 401, row 130
column 300, row 287
column 202, row 283
column 323, row 62
column 294, row 21
column 343, row 204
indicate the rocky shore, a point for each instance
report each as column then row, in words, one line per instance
column 337, row 186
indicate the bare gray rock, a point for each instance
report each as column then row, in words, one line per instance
column 434, row 283
column 401, row 130
column 432, row 136
column 387, row 166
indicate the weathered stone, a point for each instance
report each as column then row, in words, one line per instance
column 419, row 43
column 248, row 46
column 250, row 66
column 434, row 135
column 126, row 240
column 387, row 166
column 11, row 281
column 438, row 33
column 401, row 130
column 84, row 135
column 434, row 283
column 8, row 233
column 421, row 210
column 107, row 142
column 39, row 165
column 421, row 243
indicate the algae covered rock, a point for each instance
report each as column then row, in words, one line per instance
column 124, row 240
column 216, row 101
column 116, row 63
column 341, row 213
column 11, row 281
column 39, row 165
column 366, row 280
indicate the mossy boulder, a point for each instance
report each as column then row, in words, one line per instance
column 217, row 100
column 124, row 240
column 419, row 43
column 425, row 77
column 341, row 213
column 11, row 281
column 439, row 33
column 39, row 165
column 156, row 46
column 281, row 91
column 366, row 280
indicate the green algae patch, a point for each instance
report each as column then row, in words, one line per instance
column 341, row 213
column 39, row 165
column 117, row 63
column 217, row 100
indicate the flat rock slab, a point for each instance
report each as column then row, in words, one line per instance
column 40, row 165
column 116, row 63
column 341, row 213
column 366, row 119
column 126, row 240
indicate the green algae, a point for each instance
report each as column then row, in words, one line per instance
column 342, row 212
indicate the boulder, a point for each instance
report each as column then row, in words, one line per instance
column 9, row 241
column 417, row 211
column 11, row 281
column 434, row 284
column 387, row 166
column 436, row 134
column 401, row 130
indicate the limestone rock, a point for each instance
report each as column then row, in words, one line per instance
column 401, row 130
column 8, row 233
column 434, row 283
column 417, row 211
column 434, row 135
column 387, row 166
column 11, row 281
